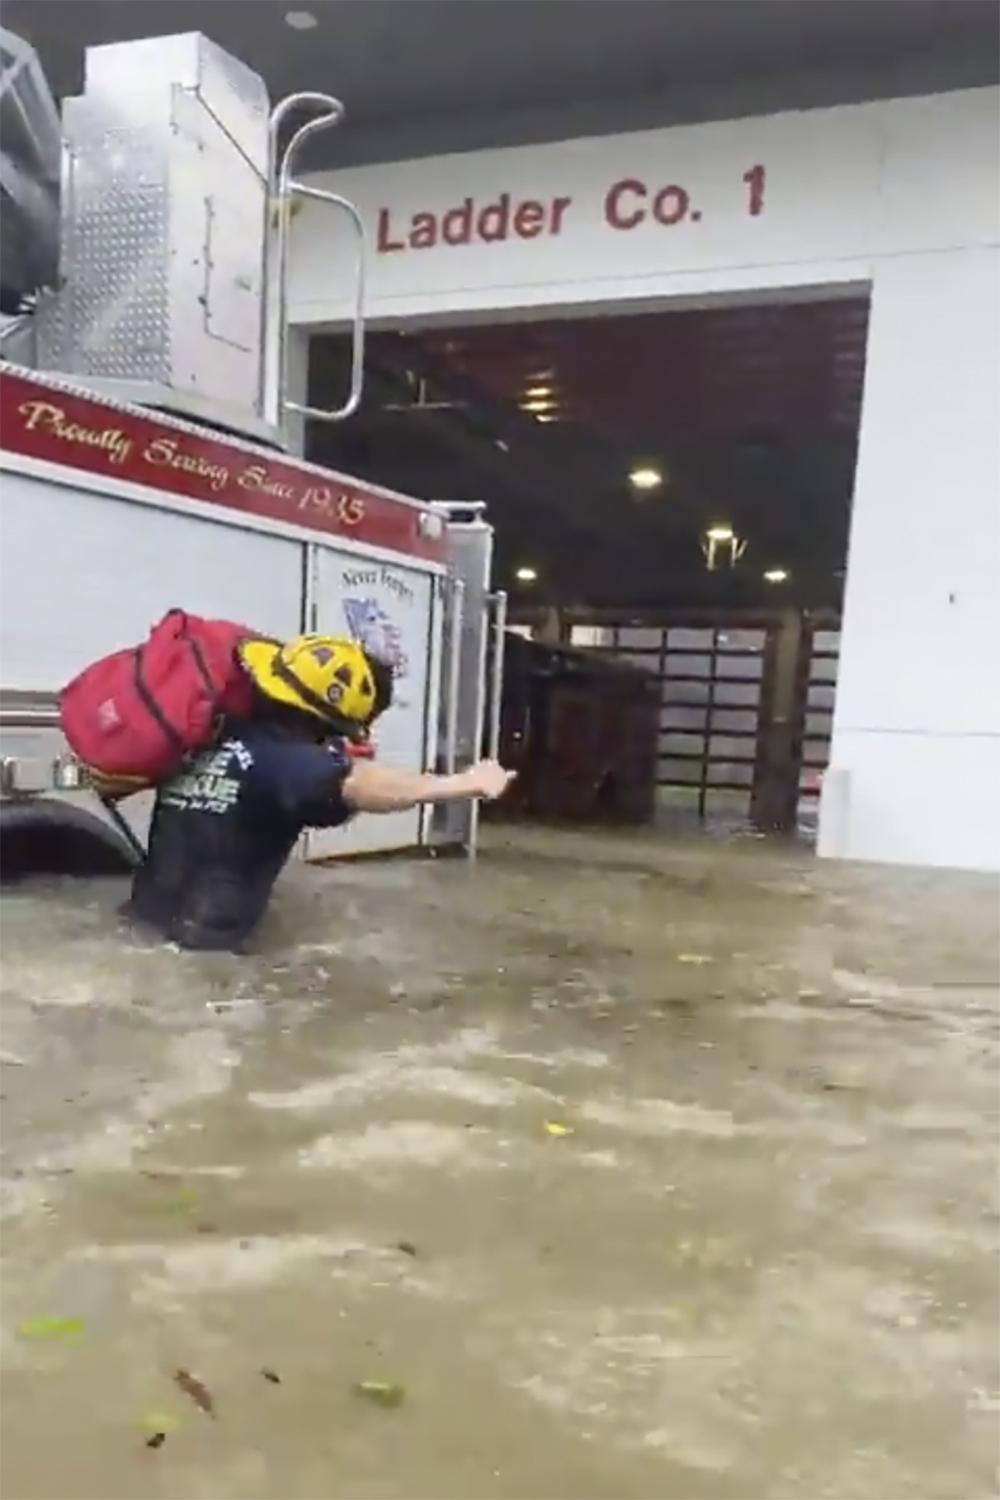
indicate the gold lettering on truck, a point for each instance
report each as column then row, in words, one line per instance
column 167, row 453
column 44, row 416
column 257, row 479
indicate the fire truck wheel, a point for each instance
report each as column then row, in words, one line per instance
column 45, row 836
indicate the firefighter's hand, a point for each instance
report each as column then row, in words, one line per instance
column 488, row 779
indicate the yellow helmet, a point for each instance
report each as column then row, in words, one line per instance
column 328, row 676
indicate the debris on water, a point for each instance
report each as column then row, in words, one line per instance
column 407, row 1247
column 180, row 1202
column 272, row 1376
column 196, row 1391
column 815, row 1076
column 51, row 1328
column 157, row 1425
column 556, row 1128
column 693, row 958
column 380, row 1392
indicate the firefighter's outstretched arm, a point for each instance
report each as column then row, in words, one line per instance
column 381, row 789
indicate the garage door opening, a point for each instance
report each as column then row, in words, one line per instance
column 671, row 486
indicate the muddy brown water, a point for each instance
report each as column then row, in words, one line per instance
column 645, row 1170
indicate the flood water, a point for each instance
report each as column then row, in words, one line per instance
column 632, row 1169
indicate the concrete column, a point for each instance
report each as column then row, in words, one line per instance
column 915, row 760
column 775, row 794
column 549, row 628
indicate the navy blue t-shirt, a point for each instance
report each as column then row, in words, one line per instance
column 223, row 829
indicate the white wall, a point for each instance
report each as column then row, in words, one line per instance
column 844, row 190
column 904, row 196
column 917, row 720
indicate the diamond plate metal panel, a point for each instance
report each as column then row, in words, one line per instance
column 165, row 206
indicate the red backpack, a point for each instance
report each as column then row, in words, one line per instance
column 134, row 716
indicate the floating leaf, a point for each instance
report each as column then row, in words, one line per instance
column 381, row 1392
column 51, row 1328
column 195, row 1391
column 272, row 1376
column 178, row 1203
column 555, row 1128
column 158, row 1423
column 693, row 958
column 156, row 1440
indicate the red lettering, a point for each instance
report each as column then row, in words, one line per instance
column 466, row 224
column 559, row 207
column 384, row 239
column 529, row 219
column 615, row 201
column 671, row 205
column 493, row 222
column 456, row 225
column 423, row 232
column 755, row 180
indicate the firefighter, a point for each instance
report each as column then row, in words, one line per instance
column 223, row 829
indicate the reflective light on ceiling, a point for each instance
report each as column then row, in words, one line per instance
column 776, row 575
column 540, row 401
column 645, row 477
column 526, row 575
column 722, row 548
column 301, row 20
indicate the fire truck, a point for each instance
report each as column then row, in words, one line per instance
column 145, row 425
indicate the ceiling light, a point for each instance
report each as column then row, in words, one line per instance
column 645, row 478
column 301, row 20
column 776, row 575
column 526, row 575
column 721, row 533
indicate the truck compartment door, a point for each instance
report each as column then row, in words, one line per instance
column 82, row 574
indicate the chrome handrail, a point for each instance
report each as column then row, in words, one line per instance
column 499, row 601
column 454, row 681
column 284, row 189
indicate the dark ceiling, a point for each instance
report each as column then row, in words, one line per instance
column 749, row 414
column 427, row 76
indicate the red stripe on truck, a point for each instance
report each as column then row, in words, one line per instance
column 42, row 419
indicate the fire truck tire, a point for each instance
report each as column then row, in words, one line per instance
column 45, row 836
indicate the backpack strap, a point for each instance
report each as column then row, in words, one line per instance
column 122, row 825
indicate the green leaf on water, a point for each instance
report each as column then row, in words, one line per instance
column 380, row 1392
column 179, row 1203
column 51, row 1328
column 152, row 1422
